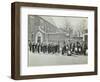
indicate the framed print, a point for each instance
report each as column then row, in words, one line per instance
column 53, row 40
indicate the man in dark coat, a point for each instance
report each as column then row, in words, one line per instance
column 73, row 48
column 49, row 48
column 38, row 47
column 84, row 48
column 30, row 45
column 58, row 47
column 63, row 48
column 33, row 47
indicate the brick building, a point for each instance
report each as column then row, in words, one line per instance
column 41, row 30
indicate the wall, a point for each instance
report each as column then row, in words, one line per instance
column 5, row 41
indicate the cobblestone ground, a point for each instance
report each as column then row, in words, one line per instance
column 35, row 59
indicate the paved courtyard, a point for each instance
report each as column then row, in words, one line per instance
column 35, row 59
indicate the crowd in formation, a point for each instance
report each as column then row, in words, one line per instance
column 75, row 48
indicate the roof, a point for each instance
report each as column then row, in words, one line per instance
column 53, row 28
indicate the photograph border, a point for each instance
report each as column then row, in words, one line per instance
column 15, row 39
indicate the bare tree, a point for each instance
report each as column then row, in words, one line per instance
column 68, row 29
column 82, row 26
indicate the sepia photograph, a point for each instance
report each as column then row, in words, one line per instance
column 57, row 40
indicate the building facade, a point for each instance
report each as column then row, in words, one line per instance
column 40, row 30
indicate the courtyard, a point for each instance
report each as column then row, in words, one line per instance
column 35, row 59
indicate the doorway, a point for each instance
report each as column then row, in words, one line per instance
column 39, row 37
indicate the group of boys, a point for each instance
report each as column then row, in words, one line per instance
column 69, row 49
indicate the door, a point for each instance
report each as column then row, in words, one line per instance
column 39, row 39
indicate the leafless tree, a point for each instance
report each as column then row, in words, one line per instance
column 82, row 26
column 68, row 29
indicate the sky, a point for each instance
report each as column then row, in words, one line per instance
column 62, row 21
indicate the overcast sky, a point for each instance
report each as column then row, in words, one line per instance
column 61, row 21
